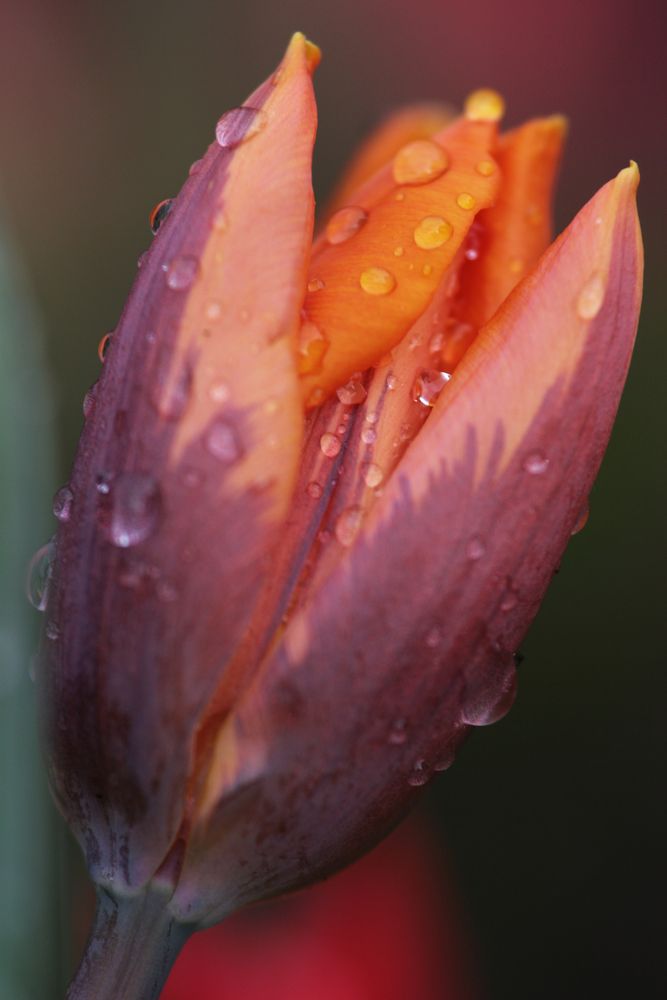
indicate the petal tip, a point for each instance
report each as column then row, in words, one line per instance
column 307, row 49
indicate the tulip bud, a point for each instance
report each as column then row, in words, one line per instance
column 317, row 501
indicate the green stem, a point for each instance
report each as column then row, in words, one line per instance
column 131, row 949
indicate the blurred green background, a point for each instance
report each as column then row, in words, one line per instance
column 555, row 817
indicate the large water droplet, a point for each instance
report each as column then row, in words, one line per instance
column 345, row 223
column 39, row 574
column 134, row 510
column 222, row 442
column 377, row 281
column 432, row 232
column 348, row 524
column 591, row 297
column 352, row 392
column 536, row 463
column 62, row 503
column 330, row 445
column 181, row 272
column 428, row 386
column 238, row 125
column 419, row 162
column 491, row 695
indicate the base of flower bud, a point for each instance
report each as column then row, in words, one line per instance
column 132, row 946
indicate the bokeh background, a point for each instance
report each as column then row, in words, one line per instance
column 553, row 820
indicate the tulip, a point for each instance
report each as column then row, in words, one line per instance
column 319, row 495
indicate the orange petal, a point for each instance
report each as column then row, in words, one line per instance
column 411, row 638
column 515, row 231
column 366, row 292
column 416, row 121
column 182, row 479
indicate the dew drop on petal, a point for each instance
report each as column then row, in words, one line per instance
column 492, row 696
column 181, row 272
column 170, row 396
column 135, row 509
column 313, row 345
column 330, row 445
column 368, row 435
column 348, row 524
column 420, row 774
column 314, row 490
column 38, row 577
column 536, row 463
column 475, row 549
column 373, row 475
column 391, row 382
column 466, row 201
column 591, row 297
column 484, row 105
column 345, row 224
column 428, row 386
column 419, row 162
column 159, row 214
column 432, row 232
column 398, row 732
column 238, row 125
column 315, row 285
column 582, row 520
column 62, row 503
column 486, row 168
column 103, row 484
column 103, row 346
column 352, row 393
column 222, row 442
column 377, row 281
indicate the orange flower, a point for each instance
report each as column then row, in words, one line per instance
column 318, row 498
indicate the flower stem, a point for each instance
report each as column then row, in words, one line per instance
column 131, row 949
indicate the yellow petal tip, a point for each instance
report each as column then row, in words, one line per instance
column 484, row 105
column 311, row 51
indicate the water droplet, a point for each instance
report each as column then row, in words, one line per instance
column 391, row 382
column 398, row 251
column 368, row 435
column 373, row 475
column 238, row 125
column 103, row 346
column 466, row 201
column 428, row 386
column 345, row 224
column 492, row 694
column 348, row 524
column 484, row 105
column 52, row 631
column 419, row 774
column 352, row 393
column 433, row 637
column 591, row 297
column 419, row 162
column 475, row 549
column 213, row 310
column 536, row 463
column 222, row 442
column 135, row 509
column 170, row 396
column 315, row 285
column 509, row 600
column 181, row 272
column 330, row 445
column 486, row 168
column 377, row 281
column 89, row 400
column 160, row 213
column 103, row 483
column 219, row 392
column 62, row 503
column 398, row 733
column 432, row 232
column 473, row 243
column 314, row 490
column 38, row 577
column 313, row 345
column 582, row 520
